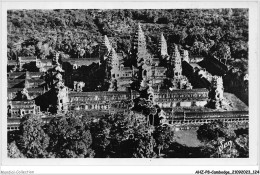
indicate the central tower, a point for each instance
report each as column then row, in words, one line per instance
column 177, row 68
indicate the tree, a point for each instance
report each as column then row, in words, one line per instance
column 13, row 151
column 163, row 136
column 33, row 140
column 143, row 146
column 129, row 136
column 222, row 52
column 208, row 132
column 220, row 148
column 69, row 138
column 221, row 140
column 242, row 145
column 100, row 131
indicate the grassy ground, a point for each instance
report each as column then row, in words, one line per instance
column 236, row 103
column 186, row 145
column 187, row 138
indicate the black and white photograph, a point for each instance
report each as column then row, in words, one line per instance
column 127, row 83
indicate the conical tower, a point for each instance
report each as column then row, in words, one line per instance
column 105, row 47
column 163, row 46
column 140, row 47
column 176, row 60
column 113, row 60
column 113, row 65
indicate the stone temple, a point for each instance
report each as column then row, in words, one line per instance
column 144, row 65
column 184, row 90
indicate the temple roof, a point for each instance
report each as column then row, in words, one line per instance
column 24, row 102
column 98, row 93
column 82, row 61
column 15, row 74
column 126, row 68
column 184, row 90
column 41, row 81
column 14, row 82
column 27, row 58
column 12, row 62
column 160, row 68
column 20, row 75
column 35, row 74
column 45, row 60
column 30, row 90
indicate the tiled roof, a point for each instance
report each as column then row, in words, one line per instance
column 185, row 90
column 27, row 58
column 45, row 60
column 10, row 90
column 127, row 68
column 25, row 102
column 35, row 74
column 11, row 83
column 12, row 62
column 125, row 78
column 98, row 93
column 82, row 61
column 15, row 74
column 160, row 68
column 30, row 90
column 41, row 81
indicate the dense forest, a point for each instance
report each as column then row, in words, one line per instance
column 78, row 33
column 118, row 136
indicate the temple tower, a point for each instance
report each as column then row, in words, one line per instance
column 142, row 58
column 105, row 48
column 113, row 63
column 140, row 47
column 217, row 91
column 151, row 96
column 62, row 93
column 163, row 46
column 176, row 58
column 56, row 57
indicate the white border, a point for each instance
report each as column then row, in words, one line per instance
column 253, row 82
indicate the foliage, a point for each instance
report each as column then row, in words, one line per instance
column 100, row 131
column 77, row 32
column 33, row 141
column 125, row 135
column 163, row 135
column 208, row 132
column 69, row 138
column 222, row 141
column 13, row 151
column 131, row 136
column 242, row 144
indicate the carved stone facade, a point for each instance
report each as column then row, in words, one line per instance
column 176, row 57
column 217, row 92
column 185, row 56
column 17, row 109
column 163, row 98
column 78, row 85
column 62, row 97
